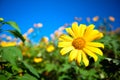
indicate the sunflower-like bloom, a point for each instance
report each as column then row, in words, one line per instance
column 50, row 48
column 80, row 43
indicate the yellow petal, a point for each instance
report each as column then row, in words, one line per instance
column 89, row 29
column 97, row 36
column 85, row 59
column 93, row 35
column 82, row 28
column 90, row 34
column 66, row 50
column 95, row 44
column 95, row 50
column 73, row 54
column 64, row 37
column 64, row 44
column 75, row 29
column 69, row 31
column 100, row 35
column 78, row 59
column 90, row 54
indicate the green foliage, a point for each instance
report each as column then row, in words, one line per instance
column 16, row 34
column 111, row 43
column 2, row 77
column 31, row 69
column 12, row 65
column 14, row 25
column 27, row 77
column 8, row 55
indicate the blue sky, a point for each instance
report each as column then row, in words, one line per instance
column 55, row 13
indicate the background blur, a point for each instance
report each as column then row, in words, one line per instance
column 55, row 13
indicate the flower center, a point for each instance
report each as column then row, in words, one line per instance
column 78, row 43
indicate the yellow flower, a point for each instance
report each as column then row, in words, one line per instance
column 50, row 48
column 80, row 43
column 95, row 18
column 45, row 39
column 6, row 44
column 30, row 30
column 37, row 60
column 1, row 19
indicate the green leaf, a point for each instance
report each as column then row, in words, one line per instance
column 63, row 77
column 14, row 25
column 16, row 34
column 2, row 77
column 64, row 68
column 31, row 69
column 27, row 77
column 11, row 54
column 115, row 46
column 49, row 67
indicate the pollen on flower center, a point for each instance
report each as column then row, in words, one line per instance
column 78, row 43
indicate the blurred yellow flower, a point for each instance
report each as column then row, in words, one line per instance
column 24, row 53
column 25, row 35
column 28, row 55
column 50, row 48
column 6, row 44
column 57, row 33
column 111, row 18
column 20, row 43
column 45, row 39
column 30, row 30
column 80, row 43
column 1, row 19
column 37, row 60
column 95, row 18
